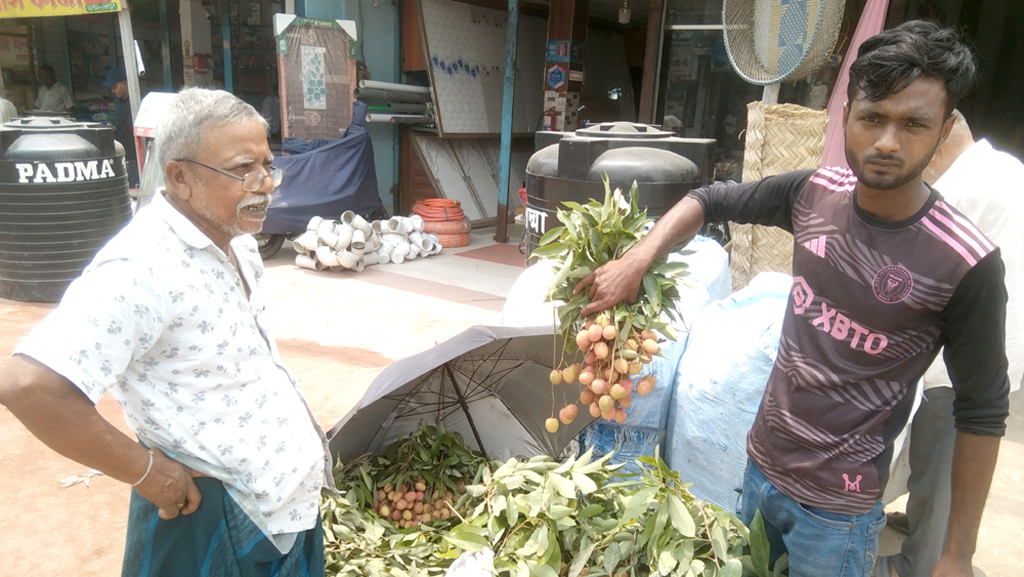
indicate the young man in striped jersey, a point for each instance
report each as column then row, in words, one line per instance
column 885, row 273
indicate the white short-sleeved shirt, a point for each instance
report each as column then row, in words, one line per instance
column 160, row 320
column 988, row 187
column 56, row 98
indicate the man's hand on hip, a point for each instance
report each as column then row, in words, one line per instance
column 169, row 486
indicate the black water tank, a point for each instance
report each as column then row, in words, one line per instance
column 569, row 166
column 63, row 195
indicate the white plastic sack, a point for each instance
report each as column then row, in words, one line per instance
column 524, row 305
column 471, row 564
column 722, row 375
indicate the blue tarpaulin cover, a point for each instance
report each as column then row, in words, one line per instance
column 324, row 178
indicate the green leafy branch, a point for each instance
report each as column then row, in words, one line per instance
column 596, row 233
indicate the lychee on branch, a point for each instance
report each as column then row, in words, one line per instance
column 615, row 345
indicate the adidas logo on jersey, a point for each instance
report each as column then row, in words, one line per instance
column 817, row 245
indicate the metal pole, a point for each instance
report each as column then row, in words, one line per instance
column 508, row 97
column 462, row 401
column 655, row 95
column 131, row 67
column 63, row 31
column 165, row 46
column 225, row 33
column 652, row 48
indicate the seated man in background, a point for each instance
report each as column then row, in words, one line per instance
column 53, row 96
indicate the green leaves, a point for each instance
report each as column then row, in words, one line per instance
column 759, row 549
column 680, row 516
column 467, row 537
column 543, row 518
column 592, row 235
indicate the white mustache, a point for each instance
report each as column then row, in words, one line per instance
column 253, row 202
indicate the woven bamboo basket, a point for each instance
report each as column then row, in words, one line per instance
column 780, row 138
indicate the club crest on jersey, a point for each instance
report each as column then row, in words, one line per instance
column 892, row 284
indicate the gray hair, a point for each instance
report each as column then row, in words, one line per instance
column 194, row 110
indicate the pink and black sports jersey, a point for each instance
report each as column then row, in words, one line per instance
column 872, row 302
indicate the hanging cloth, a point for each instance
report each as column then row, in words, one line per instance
column 872, row 20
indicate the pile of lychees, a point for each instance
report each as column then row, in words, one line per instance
column 408, row 507
column 610, row 372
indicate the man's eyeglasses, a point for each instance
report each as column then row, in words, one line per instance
column 251, row 182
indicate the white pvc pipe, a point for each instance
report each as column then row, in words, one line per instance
column 392, row 238
column 344, row 233
column 370, row 258
column 325, row 227
column 417, row 222
column 358, row 244
column 314, row 222
column 327, row 256
column 378, row 85
column 328, row 238
column 347, row 259
column 355, row 221
column 401, row 250
column 306, row 242
column 398, row 118
column 304, row 261
column 360, row 265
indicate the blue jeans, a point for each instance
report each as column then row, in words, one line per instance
column 819, row 543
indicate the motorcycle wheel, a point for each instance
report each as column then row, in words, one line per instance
column 269, row 244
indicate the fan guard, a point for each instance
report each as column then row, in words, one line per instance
column 773, row 40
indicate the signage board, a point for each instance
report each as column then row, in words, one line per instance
column 35, row 8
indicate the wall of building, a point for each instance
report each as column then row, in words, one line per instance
column 377, row 45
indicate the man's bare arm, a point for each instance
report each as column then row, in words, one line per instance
column 974, row 462
column 59, row 415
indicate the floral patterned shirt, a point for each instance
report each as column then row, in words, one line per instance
column 160, row 320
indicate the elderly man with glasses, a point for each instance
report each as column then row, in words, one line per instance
column 229, row 463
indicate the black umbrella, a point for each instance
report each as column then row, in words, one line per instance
column 491, row 384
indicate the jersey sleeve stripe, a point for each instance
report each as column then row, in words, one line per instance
column 959, row 248
column 961, row 233
column 967, row 226
column 840, row 175
column 831, row 185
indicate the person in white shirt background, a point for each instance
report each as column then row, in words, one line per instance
column 987, row 186
column 53, row 96
column 8, row 111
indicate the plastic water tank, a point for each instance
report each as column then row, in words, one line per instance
column 63, row 195
column 570, row 166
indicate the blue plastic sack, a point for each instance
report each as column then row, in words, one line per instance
column 646, row 418
column 721, row 378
